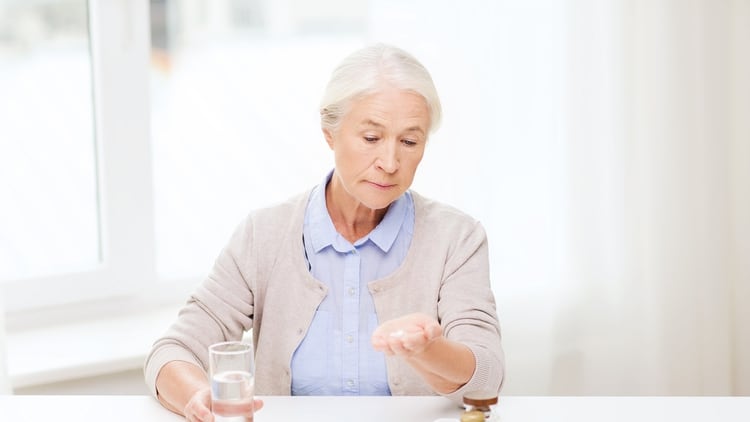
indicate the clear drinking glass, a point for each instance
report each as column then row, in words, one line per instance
column 232, row 372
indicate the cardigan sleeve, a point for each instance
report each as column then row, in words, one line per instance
column 220, row 309
column 467, row 311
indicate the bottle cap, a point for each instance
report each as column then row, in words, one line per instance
column 480, row 398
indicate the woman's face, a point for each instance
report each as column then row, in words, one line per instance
column 378, row 146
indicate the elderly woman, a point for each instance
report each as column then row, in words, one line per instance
column 358, row 286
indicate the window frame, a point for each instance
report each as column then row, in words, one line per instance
column 119, row 39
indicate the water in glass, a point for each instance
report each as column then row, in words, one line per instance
column 232, row 396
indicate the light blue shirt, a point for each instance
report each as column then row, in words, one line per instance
column 336, row 356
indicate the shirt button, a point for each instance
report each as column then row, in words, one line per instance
column 349, row 339
column 350, row 383
column 351, row 291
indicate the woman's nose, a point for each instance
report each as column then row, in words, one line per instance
column 388, row 157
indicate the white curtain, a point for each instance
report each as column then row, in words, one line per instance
column 4, row 379
column 657, row 183
column 650, row 282
column 605, row 145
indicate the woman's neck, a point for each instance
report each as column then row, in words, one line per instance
column 352, row 219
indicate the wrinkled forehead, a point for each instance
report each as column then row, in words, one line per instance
column 389, row 104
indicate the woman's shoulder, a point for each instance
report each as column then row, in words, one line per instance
column 443, row 227
column 281, row 211
column 274, row 219
column 436, row 211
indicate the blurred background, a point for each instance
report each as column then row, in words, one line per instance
column 605, row 146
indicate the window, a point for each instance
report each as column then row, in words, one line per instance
column 190, row 114
column 98, row 185
column 49, row 222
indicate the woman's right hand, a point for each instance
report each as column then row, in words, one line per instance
column 182, row 387
column 198, row 409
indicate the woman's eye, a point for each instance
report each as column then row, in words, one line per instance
column 370, row 138
column 409, row 142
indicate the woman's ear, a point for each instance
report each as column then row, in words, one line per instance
column 329, row 137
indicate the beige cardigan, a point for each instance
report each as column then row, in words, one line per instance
column 261, row 281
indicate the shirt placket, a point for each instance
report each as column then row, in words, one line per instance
column 350, row 326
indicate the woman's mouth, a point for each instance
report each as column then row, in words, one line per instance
column 382, row 185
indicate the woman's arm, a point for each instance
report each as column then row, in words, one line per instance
column 179, row 384
column 444, row 364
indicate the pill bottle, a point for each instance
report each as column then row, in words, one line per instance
column 481, row 401
column 473, row 416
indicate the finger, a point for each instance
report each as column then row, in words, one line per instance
column 434, row 330
column 415, row 342
column 192, row 417
column 381, row 345
column 396, row 346
column 382, row 342
column 198, row 409
column 233, row 407
column 202, row 413
column 378, row 343
column 192, row 413
column 258, row 404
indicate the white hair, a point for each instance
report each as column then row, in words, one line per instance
column 366, row 71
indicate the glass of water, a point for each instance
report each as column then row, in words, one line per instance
column 232, row 370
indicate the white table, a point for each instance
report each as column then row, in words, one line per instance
column 390, row 409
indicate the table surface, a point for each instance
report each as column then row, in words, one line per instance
column 391, row 409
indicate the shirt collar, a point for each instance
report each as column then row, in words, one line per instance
column 323, row 233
